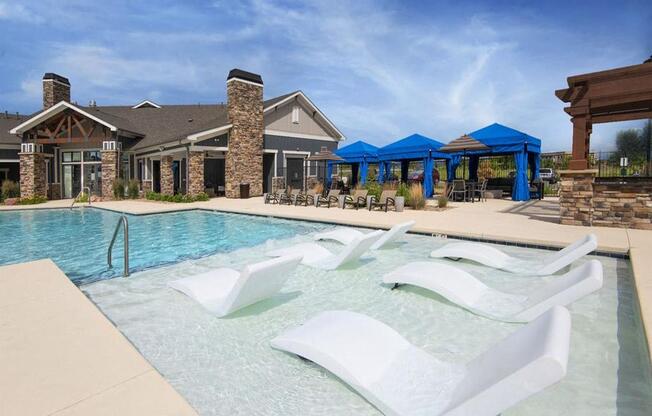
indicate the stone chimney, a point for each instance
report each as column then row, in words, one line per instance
column 244, row 160
column 55, row 89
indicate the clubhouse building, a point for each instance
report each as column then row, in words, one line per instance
column 65, row 148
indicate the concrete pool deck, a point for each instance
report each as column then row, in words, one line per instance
column 498, row 220
column 61, row 356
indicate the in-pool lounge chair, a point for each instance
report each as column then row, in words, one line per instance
column 223, row 291
column 345, row 235
column 401, row 379
column 331, row 198
column 317, row 256
column 462, row 288
column 492, row 257
column 358, row 199
column 387, row 199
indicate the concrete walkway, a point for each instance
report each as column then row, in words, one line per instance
column 60, row 355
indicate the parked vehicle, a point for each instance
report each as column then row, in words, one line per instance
column 547, row 174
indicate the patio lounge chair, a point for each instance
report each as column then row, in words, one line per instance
column 223, row 291
column 306, row 199
column 462, row 288
column 317, row 256
column 272, row 197
column 331, row 198
column 345, row 235
column 386, row 199
column 492, row 257
column 290, row 197
column 400, row 379
column 358, row 199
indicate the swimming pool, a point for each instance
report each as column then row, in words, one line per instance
column 77, row 240
column 226, row 366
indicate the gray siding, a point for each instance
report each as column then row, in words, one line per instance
column 294, row 144
column 9, row 154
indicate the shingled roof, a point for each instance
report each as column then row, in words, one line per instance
column 156, row 126
column 8, row 122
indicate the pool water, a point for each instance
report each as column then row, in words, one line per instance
column 226, row 366
column 77, row 240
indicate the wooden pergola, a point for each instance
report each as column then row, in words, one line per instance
column 618, row 94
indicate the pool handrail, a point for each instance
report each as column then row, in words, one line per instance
column 125, row 227
column 81, row 192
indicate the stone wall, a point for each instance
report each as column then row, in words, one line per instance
column 32, row 175
column 576, row 197
column 196, row 173
column 244, row 160
column 109, row 172
column 625, row 205
column 311, row 181
column 278, row 183
column 147, row 186
column 167, row 178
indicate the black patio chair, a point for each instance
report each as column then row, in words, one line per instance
column 386, row 199
column 331, row 198
column 458, row 188
column 359, row 198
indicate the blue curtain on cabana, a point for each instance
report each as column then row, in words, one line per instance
column 329, row 174
column 364, row 171
column 381, row 172
column 474, row 163
column 521, row 189
column 451, row 166
column 427, row 177
column 534, row 160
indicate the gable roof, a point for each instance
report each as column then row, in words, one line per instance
column 506, row 139
column 358, row 151
column 157, row 125
column 415, row 146
column 8, row 122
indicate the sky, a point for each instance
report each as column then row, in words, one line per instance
column 380, row 70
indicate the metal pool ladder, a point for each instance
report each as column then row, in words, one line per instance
column 125, row 227
column 81, row 192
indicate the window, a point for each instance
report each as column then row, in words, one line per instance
column 92, row 156
column 71, row 157
column 295, row 114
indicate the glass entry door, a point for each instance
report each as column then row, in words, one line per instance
column 93, row 177
column 71, row 180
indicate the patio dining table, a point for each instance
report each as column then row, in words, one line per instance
column 470, row 187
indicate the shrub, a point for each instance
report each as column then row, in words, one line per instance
column 118, row 188
column 10, row 189
column 374, row 188
column 404, row 191
column 82, row 197
column 442, row 201
column 133, row 189
column 178, row 198
column 32, row 201
column 318, row 188
column 417, row 200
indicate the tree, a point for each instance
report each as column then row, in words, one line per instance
column 631, row 143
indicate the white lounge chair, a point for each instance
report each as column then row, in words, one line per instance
column 492, row 257
column 345, row 235
column 315, row 255
column 462, row 288
column 223, row 291
column 402, row 379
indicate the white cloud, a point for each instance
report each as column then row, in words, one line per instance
column 13, row 11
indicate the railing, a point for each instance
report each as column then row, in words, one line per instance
column 79, row 194
column 616, row 164
column 125, row 226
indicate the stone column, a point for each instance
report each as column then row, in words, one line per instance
column 109, row 172
column 244, row 160
column 32, row 175
column 278, row 183
column 167, row 179
column 576, row 198
column 195, row 172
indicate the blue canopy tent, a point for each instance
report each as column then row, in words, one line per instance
column 414, row 147
column 503, row 140
column 359, row 155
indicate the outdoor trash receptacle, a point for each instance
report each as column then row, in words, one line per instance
column 244, row 190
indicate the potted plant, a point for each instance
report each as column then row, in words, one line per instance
column 402, row 193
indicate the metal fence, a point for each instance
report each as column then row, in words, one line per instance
column 616, row 164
